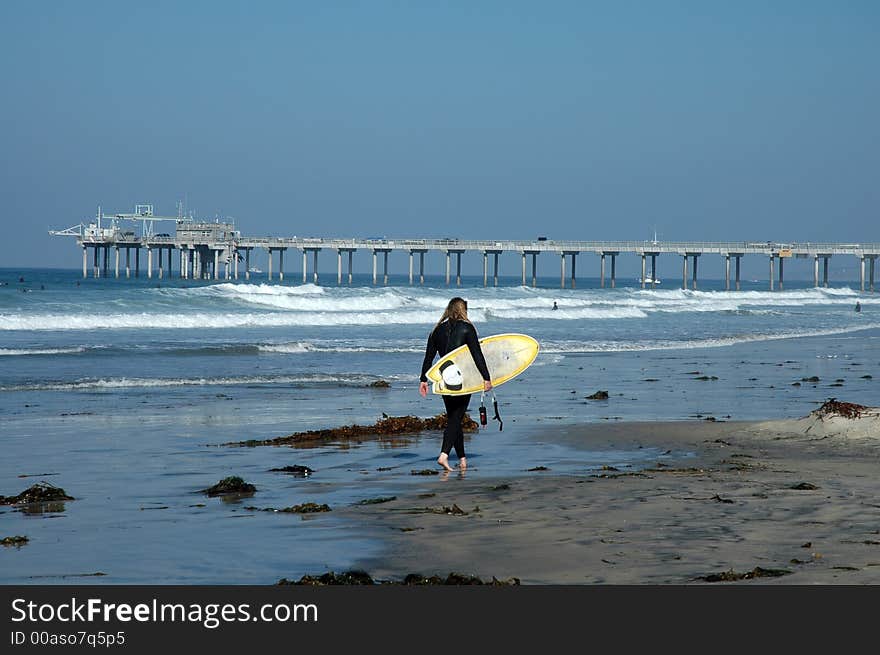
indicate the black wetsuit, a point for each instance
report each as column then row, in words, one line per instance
column 445, row 338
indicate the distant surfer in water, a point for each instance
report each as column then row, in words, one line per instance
column 453, row 330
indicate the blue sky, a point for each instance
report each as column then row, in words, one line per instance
column 579, row 120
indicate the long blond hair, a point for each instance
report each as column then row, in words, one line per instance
column 456, row 310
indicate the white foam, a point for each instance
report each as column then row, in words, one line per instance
column 715, row 342
column 129, row 383
column 41, row 351
column 300, row 347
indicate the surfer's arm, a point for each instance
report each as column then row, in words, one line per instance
column 473, row 344
column 430, row 351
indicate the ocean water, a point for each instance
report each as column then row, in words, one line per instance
column 121, row 392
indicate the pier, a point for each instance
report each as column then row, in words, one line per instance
column 213, row 250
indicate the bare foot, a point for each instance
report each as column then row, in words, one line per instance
column 462, row 463
column 443, row 461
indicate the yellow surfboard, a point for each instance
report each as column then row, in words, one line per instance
column 507, row 355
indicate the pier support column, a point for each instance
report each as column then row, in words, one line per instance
column 534, row 269
column 375, row 267
column 871, row 275
column 684, row 273
column 410, row 268
column 737, row 272
column 137, row 261
column 85, row 263
column 184, row 263
column 485, row 268
column 127, row 263
column 772, row 262
column 247, row 264
column 96, row 270
column 613, row 270
column 315, row 265
column 816, row 271
column 216, row 264
column 495, row 276
column 269, row 270
column 524, row 269
column 862, row 274
column 825, row 272
column 458, row 269
column 350, row 256
column 338, row 267
column 644, row 267
column 117, row 262
column 160, row 263
column 305, row 266
column 781, row 273
column 421, row 268
column 448, row 262
column 106, row 259
column 562, row 271
column 653, row 271
column 694, row 274
column 573, row 267
column 235, row 261
column 602, row 271
column 149, row 262
column 727, row 272
column 281, row 265
column 385, row 269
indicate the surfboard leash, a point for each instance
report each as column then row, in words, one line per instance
column 497, row 416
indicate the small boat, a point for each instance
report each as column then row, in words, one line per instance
column 254, row 269
column 649, row 280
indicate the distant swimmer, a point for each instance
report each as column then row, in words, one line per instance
column 555, row 306
column 858, row 306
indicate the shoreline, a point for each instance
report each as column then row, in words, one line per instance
column 738, row 497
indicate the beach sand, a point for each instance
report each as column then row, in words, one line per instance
column 801, row 496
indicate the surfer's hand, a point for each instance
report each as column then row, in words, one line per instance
column 487, row 385
column 423, row 389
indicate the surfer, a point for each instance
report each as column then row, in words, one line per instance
column 858, row 306
column 555, row 306
column 454, row 329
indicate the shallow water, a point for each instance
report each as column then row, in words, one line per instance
column 120, row 391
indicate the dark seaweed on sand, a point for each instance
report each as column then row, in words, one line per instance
column 230, row 485
column 733, row 576
column 834, row 407
column 413, row 579
column 386, row 426
column 18, row 541
column 296, row 469
column 42, row 492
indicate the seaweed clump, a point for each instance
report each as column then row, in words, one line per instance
column 389, row 426
column 42, row 492
column 305, row 508
column 17, row 541
column 230, row 485
column 833, row 407
column 733, row 576
column 413, row 579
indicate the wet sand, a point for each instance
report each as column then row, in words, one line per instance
column 801, row 496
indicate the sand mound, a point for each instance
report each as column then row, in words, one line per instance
column 833, row 419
